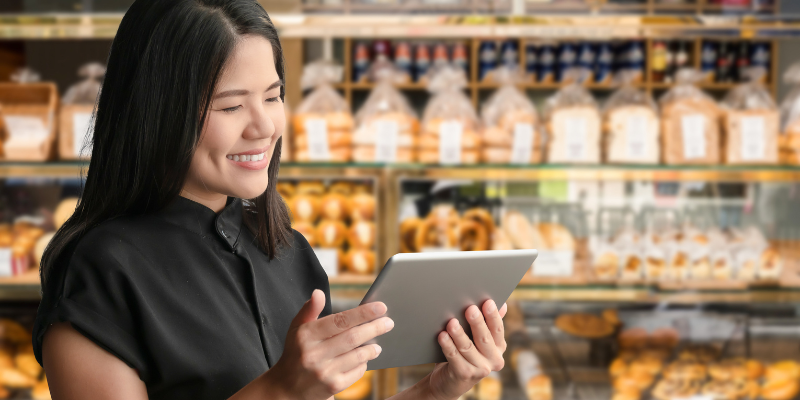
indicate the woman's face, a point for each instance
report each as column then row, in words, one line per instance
column 245, row 120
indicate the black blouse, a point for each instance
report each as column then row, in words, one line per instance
column 184, row 296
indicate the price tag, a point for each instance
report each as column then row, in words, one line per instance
column 523, row 144
column 450, row 142
column 693, row 129
column 576, row 136
column 554, row 263
column 386, row 141
column 317, row 132
column 5, row 262
column 753, row 146
column 636, row 135
column 329, row 259
column 25, row 127
column 82, row 132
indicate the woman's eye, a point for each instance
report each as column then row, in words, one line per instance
column 230, row 109
column 273, row 100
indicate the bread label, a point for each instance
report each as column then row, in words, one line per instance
column 523, row 144
column 386, row 141
column 554, row 263
column 329, row 260
column 753, row 138
column 636, row 137
column 576, row 129
column 25, row 127
column 450, row 133
column 82, row 132
column 5, row 262
column 693, row 129
column 317, row 131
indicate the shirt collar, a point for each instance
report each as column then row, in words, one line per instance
column 227, row 224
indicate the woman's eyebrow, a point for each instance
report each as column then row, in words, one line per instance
column 242, row 92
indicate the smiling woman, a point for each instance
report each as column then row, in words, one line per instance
column 179, row 276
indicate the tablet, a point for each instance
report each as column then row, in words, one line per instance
column 423, row 291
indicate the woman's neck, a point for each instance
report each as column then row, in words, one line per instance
column 215, row 202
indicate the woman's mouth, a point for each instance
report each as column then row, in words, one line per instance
column 254, row 162
column 247, row 157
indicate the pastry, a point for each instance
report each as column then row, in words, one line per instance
column 606, row 266
column 490, row 388
column 686, row 371
column 286, row 190
column 304, row 208
column 315, row 188
column 539, row 387
column 64, row 210
column 632, row 268
column 359, row 390
column 771, row 265
column 342, row 187
column 362, row 207
column 41, row 391
column 618, row 367
column 700, row 268
column 500, row 241
column 783, row 371
column 433, row 232
column 307, row 230
column 27, row 363
column 729, row 369
column 482, row 217
column 627, row 395
column 361, row 235
column 755, row 369
column 13, row 332
column 661, row 354
column 655, row 267
column 670, row 389
column 330, row 233
column 472, row 236
column 521, row 233
column 699, row 353
column 584, row 325
column 408, row 235
column 14, row 379
column 633, row 338
column 678, row 268
column 41, row 246
column 664, row 338
column 633, row 381
column 724, row 389
column 751, row 390
column 360, row 261
column 333, row 206
column 650, row 366
column 780, row 390
column 612, row 316
column 557, row 236
column 6, row 360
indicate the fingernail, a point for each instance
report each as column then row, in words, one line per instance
column 474, row 313
column 492, row 306
column 389, row 324
column 378, row 349
column 457, row 327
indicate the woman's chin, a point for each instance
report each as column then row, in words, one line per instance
column 249, row 192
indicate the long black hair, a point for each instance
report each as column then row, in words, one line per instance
column 164, row 64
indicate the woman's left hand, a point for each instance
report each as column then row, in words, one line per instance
column 468, row 362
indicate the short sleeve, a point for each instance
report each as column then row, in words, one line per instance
column 94, row 291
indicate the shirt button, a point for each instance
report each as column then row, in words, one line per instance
column 263, row 320
column 223, row 233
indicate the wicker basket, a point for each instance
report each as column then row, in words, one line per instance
column 26, row 101
column 70, row 142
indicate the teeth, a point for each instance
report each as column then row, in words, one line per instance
column 246, row 158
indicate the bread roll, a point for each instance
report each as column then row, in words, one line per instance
column 333, row 206
column 361, row 235
column 330, row 233
column 539, row 387
column 64, row 210
column 362, row 207
column 522, row 234
column 360, row 261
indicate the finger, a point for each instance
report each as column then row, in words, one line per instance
column 353, row 358
column 464, row 344
column 462, row 368
column 483, row 339
column 335, row 324
column 503, row 310
column 495, row 324
column 310, row 310
column 355, row 337
column 348, row 378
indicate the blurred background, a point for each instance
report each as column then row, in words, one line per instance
column 650, row 149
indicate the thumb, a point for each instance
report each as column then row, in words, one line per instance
column 311, row 309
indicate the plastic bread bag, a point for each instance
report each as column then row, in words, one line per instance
column 631, row 124
column 699, row 260
column 751, row 120
column 722, row 265
column 605, row 263
column 690, row 125
column 573, row 123
column 86, row 91
column 323, row 124
column 789, row 140
column 655, row 261
column 632, row 268
column 386, row 124
column 511, row 124
column 449, row 124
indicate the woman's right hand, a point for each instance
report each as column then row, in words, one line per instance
column 322, row 357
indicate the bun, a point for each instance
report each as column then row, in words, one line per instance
column 315, row 188
column 331, row 233
column 490, row 388
column 522, row 234
column 41, row 391
column 780, row 390
column 361, row 235
column 539, row 387
column 286, row 190
column 362, row 207
column 408, row 235
column 304, row 208
column 333, row 206
column 482, row 217
column 14, row 379
column 584, row 325
column 472, row 236
column 360, row 261
column 669, row 389
column 783, row 371
column 307, row 230
column 27, row 364
column 64, row 210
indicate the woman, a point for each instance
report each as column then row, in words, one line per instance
column 165, row 284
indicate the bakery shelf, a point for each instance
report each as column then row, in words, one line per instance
column 72, row 169
column 104, row 26
column 21, row 287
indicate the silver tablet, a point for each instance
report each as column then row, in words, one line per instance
column 423, row 291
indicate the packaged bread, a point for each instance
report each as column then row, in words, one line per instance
column 511, row 133
column 631, row 127
column 690, row 123
column 751, row 120
column 323, row 124
column 387, row 126
column 573, row 125
column 522, row 234
column 789, row 141
column 606, row 263
column 75, row 113
column 449, row 128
